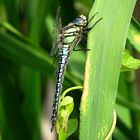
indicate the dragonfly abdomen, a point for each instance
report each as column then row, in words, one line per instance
column 63, row 59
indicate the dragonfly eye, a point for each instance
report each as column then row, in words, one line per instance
column 80, row 21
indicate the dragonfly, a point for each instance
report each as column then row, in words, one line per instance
column 64, row 41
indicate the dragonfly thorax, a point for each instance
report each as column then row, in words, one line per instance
column 68, row 35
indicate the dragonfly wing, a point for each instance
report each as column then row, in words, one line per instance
column 58, row 19
column 56, row 32
column 55, row 44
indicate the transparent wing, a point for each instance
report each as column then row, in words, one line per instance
column 56, row 32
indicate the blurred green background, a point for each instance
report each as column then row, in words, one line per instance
column 27, row 76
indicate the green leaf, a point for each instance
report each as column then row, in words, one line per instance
column 24, row 53
column 65, row 108
column 134, row 34
column 129, row 63
column 72, row 126
column 10, row 28
column 64, row 126
column 107, row 42
column 128, row 104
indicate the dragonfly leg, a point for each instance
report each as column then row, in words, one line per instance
column 88, row 29
column 92, row 17
column 82, row 38
column 81, row 49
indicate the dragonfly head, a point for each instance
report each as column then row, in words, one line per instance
column 80, row 21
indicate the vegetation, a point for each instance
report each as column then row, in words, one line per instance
column 109, row 84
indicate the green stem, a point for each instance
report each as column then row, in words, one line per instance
column 62, row 134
